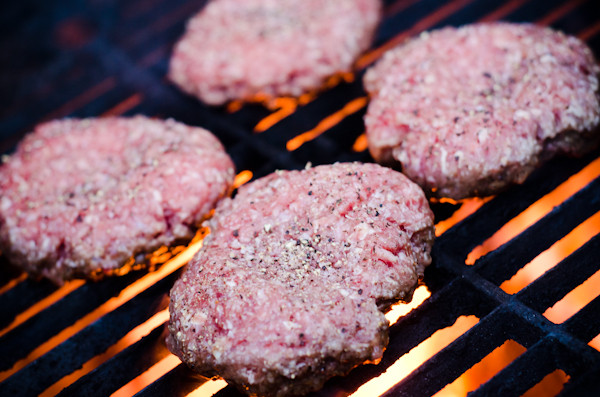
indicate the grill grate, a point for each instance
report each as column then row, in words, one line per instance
column 104, row 57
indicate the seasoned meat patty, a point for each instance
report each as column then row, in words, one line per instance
column 471, row 110
column 237, row 49
column 80, row 197
column 290, row 287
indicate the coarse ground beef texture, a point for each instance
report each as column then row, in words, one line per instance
column 79, row 197
column 237, row 49
column 468, row 111
column 290, row 287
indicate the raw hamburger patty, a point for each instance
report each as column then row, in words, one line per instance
column 80, row 197
column 289, row 288
column 236, row 49
column 468, row 111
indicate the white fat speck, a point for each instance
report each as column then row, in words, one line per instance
column 536, row 112
column 444, row 155
column 290, row 325
column 437, row 123
column 482, row 135
column 521, row 114
column 547, row 58
column 5, row 203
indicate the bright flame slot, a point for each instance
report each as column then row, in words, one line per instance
column 414, row 358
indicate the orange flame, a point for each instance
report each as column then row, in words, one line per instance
column 149, row 376
column 484, row 370
column 468, row 207
column 595, row 343
column 361, row 143
column 39, row 306
column 208, row 388
column 400, row 309
column 126, row 294
column 242, row 178
column 414, row 358
column 574, row 300
column 328, row 122
column 132, row 336
column 551, row 385
column 12, row 283
column 536, row 211
column 553, row 255
column 285, row 106
column 124, row 106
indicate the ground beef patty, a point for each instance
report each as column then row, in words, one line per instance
column 289, row 288
column 236, row 49
column 468, row 111
column 80, row 197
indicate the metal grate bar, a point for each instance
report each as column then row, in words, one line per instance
column 558, row 281
column 523, row 248
column 89, row 342
column 124, row 366
column 178, row 382
column 25, row 338
column 454, row 245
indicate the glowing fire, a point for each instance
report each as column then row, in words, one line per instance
column 132, row 336
column 284, row 106
column 400, row 309
column 467, row 207
column 553, row 255
column 208, row 388
column 126, row 294
column 484, row 370
column 155, row 372
column 537, row 210
column 414, row 358
column 327, row 123
column 242, row 178
column 503, row 355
